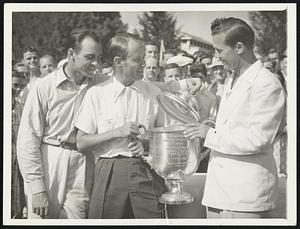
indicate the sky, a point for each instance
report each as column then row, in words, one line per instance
column 192, row 22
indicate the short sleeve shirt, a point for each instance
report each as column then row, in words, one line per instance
column 110, row 105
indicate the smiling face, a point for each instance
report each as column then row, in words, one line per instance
column 227, row 54
column 88, row 58
column 172, row 74
column 31, row 60
column 219, row 72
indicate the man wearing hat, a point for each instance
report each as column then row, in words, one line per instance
column 219, row 75
column 183, row 62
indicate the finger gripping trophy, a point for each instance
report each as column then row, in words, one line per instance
column 173, row 156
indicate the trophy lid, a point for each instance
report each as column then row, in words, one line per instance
column 177, row 107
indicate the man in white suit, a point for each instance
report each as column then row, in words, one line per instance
column 241, row 178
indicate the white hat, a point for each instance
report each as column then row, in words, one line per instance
column 180, row 60
column 216, row 62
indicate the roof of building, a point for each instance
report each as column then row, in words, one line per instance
column 193, row 37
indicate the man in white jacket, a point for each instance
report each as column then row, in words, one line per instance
column 242, row 178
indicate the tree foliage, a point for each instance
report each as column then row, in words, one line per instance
column 271, row 29
column 158, row 26
column 49, row 32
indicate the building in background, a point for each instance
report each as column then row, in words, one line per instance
column 191, row 44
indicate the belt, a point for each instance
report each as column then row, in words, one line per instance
column 68, row 145
column 65, row 145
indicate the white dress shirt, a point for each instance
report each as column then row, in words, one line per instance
column 110, row 105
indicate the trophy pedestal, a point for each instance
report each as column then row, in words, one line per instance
column 176, row 196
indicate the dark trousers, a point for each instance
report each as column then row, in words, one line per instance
column 125, row 188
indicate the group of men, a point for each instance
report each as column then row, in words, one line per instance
column 79, row 149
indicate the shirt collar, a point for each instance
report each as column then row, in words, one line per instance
column 119, row 88
column 252, row 70
column 61, row 77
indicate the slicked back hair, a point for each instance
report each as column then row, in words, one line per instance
column 236, row 30
column 77, row 36
column 118, row 45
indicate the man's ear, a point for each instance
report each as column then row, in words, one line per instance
column 71, row 54
column 240, row 47
column 118, row 61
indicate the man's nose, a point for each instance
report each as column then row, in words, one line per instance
column 95, row 63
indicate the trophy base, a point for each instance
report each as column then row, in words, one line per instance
column 176, row 198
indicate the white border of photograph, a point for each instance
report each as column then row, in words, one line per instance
column 9, row 8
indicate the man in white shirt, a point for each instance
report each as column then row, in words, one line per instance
column 108, row 122
column 58, row 178
column 242, row 180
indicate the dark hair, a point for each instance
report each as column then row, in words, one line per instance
column 151, row 43
column 198, row 68
column 18, row 74
column 118, row 45
column 30, row 49
column 172, row 65
column 272, row 50
column 236, row 31
column 77, row 36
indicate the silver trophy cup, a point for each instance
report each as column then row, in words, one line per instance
column 173, row 158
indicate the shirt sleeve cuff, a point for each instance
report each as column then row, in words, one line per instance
column 37, row 186
column 212, row 139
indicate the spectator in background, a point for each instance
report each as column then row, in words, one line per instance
column 151, row 69
column 273, row 56
column 184, row 63
column 219, row 75
column 283, row 65
column 206, row 59
column 172, row 72
column 47, row 64
column 17, row 187
column 151, row 50
column 31, row 62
